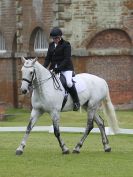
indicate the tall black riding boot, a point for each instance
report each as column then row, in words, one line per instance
column 74, row 95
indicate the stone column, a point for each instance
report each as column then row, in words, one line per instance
column 19, row 25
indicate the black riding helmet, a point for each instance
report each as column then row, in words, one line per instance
column 55, row 32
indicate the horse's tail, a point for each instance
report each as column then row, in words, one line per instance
column 110, row 113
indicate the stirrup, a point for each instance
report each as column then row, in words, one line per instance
column 76, row 106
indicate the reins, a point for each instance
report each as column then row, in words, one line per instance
column 55, row 81
column 53, row 76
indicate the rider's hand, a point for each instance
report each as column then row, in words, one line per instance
column 56, row 70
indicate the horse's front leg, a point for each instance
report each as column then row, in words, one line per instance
column 34, row 116
column 89, row 127
column 100, row 122
column 55, row 118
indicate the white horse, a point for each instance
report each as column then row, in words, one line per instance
column 47, row 97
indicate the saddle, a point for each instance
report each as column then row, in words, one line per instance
column 64, row 84
column 78, row 84
column 63, row 81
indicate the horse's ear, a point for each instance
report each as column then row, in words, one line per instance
column 34, row 60
column 23, row 59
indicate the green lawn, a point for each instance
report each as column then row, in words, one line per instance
column 20, row 117
column 42, row 156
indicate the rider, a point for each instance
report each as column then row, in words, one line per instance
column 59, row 58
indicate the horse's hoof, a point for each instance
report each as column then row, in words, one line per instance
column 66, row 152
column 19, row 152
column 75, row 151
column 107, row 149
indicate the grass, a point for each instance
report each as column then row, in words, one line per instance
column 42, row 156
column 20, row 117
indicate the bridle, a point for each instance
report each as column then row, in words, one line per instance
column 33, row 75
column 30, row 82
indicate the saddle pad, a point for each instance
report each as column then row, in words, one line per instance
column 79, row 84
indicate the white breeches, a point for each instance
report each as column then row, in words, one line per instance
column 68, row 76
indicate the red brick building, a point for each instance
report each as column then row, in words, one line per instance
column 100, row 32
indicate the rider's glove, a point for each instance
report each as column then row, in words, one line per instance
column 56, row 70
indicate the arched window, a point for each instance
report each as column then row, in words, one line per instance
column 2, row 44
column 40, row 43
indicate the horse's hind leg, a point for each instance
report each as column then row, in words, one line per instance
column 55, row 118
column 89, row 127
column 100, row 122
column 34, row 116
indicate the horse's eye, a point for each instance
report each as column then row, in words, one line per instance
column 31, row 73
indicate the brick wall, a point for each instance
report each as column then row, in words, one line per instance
column 7, row 22
column 33, row 14
column 7, row 82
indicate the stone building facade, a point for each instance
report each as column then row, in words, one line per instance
column 100, row 32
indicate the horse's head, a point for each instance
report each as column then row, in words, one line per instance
column 28, row 74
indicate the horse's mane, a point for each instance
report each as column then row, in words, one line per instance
column 42, row 74
column 41, row 68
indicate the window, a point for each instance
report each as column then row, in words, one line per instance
column 41, row 43
column 2, row 44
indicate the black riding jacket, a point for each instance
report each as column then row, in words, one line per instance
column 59, row 56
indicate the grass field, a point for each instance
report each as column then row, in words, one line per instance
column 42, row 156
column 20, row 117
